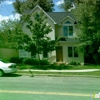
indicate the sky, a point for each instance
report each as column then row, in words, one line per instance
column 7, row 10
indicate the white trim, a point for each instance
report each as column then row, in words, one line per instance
column 68, row 17
column 43, row 12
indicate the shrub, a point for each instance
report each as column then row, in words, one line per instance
column 44, row 62
column 16, row 60
column 30, row 61
column 74, row 63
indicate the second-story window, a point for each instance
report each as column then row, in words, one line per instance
column 68, row 29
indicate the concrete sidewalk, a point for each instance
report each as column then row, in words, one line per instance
column 84, row 70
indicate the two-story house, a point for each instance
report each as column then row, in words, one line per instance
column 64, row 26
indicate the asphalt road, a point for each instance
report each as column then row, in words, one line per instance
column 17, row 87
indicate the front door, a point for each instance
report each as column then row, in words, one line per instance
column 59, row 54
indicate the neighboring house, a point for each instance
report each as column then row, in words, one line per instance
column 63, row 25
column 7, row 53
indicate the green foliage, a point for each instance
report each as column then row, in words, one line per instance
column 40, row 40
column 16, row 60
column 88, row 20
column 44, row 62
column 60, row 66
column 70, row 4
column 21, row 6
column 30, row 61
column 11, row 34
column 74, row 63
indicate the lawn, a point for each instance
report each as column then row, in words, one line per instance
column 95, row 73
column 69, row 67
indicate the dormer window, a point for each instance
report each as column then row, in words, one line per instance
column 68, row 29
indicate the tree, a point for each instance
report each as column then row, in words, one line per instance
column 89, row 28
column 21, row 6
column 70, row 4
column 11, row 34
column 39, row 28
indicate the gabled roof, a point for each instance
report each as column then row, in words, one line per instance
column 37, row 6
column 58, row 17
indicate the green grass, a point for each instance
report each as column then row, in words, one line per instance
column 95, row 73
column 89, row 74
column 69, row 67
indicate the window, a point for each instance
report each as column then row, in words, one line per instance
column 68, row 29
column 72, row 52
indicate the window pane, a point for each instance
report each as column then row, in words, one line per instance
column 75, row 52
column 70, row 53
column 65, row 30
column 70, row 30
column 68, row 22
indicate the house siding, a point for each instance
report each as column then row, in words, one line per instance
column 67, row 43
column 67, row 59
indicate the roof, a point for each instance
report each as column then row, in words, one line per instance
column 59, row 16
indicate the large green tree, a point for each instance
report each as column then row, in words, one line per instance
column 22, row 5
column 11, row 34
column 87, row 15
column 40, row 41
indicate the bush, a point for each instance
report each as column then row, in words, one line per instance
column 16, row 60
column 59, row 66
column 30, row 61
column 74, row 63
column 44, row 62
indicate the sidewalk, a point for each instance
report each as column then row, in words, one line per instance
column 57, row 73
column 84, row 70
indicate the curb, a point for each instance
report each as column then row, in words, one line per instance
column 56, row 73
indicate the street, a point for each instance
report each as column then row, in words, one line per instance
column 17, row 87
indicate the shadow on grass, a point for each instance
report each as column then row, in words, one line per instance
column 11, row 75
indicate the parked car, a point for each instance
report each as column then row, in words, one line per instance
column 7, row 68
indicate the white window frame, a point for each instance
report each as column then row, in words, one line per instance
column 68, row 24
column 73, row 52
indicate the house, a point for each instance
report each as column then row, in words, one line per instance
column 64, row 26
column 7, row 53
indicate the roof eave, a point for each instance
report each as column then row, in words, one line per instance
column 43, row 12
column 67, row 17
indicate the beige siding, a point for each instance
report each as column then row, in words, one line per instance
column 66, row 44
column 59, row 28
column 8, row 53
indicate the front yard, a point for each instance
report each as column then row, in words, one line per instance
column 94, row 73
